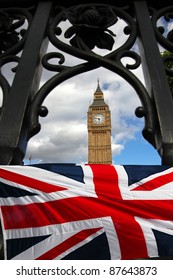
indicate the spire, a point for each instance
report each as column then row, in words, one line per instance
column 98, row 86
column 98, row 93
column 98, row 97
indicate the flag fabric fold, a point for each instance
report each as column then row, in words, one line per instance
column 68, row 211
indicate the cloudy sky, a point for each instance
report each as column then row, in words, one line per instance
column 63, row 136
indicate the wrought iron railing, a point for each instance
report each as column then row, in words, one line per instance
column 26, row 28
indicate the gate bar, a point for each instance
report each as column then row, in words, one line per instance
column 156, row 83
column 13, row 125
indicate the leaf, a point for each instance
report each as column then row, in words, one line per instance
column 105, row 41
column 70, row 32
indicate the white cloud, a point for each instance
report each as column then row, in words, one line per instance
column 63, row 137
column 63, row 144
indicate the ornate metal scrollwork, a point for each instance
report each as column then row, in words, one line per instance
column 5, row 86
column 164, row 37
column 8, row 37
column 162, row 20
column 12, row 37
column 90, row 27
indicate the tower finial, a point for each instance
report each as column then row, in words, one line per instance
column 98, row 86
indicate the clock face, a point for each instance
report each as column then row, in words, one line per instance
column 98, row 118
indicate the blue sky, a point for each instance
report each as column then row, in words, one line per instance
column 139, row 152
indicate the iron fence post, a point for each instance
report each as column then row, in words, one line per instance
column 156, row 83
column 13, row 124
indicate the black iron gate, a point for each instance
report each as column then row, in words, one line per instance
column 26, row 28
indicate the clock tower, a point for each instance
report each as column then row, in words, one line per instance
column 99, row 130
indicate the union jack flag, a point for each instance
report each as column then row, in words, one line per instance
column 67, row 211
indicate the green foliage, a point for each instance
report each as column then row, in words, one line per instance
column 168, row 62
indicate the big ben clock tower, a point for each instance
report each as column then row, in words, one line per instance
column 99, row 130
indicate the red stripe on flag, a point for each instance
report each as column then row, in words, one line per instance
column 48, row 213
column 155, row 183
column 67, row 244
column 106, row 180
column 29, row 182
